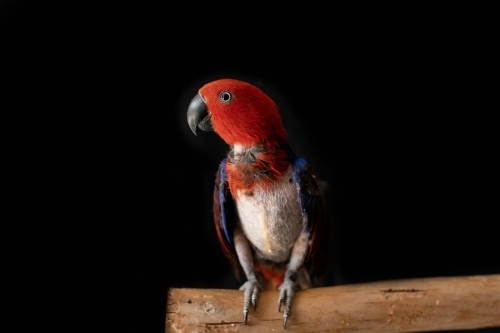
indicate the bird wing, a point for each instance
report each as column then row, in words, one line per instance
column 224, row 213
column 310, row 195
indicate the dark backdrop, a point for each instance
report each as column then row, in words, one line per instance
column 398, row 127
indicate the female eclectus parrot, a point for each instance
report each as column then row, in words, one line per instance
column 268, row 205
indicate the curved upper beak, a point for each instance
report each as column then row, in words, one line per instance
column 198, row 116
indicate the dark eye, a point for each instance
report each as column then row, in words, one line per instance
column 225, row 97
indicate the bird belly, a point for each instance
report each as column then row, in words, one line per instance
column 271, row 219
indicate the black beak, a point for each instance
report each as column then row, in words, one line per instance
column 198, row 116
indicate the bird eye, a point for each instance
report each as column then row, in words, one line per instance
column 225, row 97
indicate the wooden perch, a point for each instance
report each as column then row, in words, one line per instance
column 415, row 305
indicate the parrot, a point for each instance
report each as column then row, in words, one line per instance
column 269, row 206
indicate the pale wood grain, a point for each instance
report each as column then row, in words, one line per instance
column 415, row 305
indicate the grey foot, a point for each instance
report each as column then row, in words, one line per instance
column 252, row 290
column 287, row 294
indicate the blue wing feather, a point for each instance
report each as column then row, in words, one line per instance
column 225, row 216
column 310, row 196
column 299, row 169
column 223, row 192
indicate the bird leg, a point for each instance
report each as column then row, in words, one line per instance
column 251, row 287
column 289, row 286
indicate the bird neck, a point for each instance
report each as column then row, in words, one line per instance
column 257, row 165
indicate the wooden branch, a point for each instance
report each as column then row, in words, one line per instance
column 414, row 305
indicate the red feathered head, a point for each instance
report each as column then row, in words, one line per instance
column 237, row 111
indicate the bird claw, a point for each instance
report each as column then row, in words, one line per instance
column 251, row 290
column 245, row 317
column 287, row 294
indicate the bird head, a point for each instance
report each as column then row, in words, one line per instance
column 237, row 111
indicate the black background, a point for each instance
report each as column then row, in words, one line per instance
column 396, row 121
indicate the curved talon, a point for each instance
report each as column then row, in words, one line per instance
column 255, row 294
column 287, row 294
column 251, row 290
